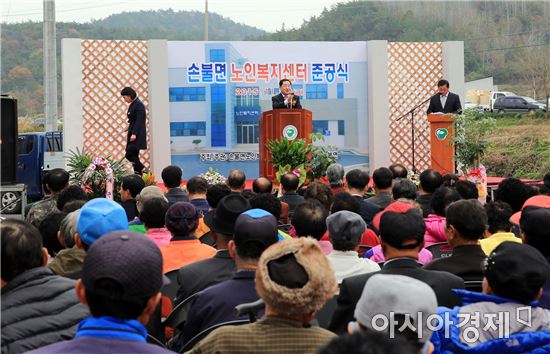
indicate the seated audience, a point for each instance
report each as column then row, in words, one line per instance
column 401, row 300
column 69, row 194
column 367, row 342
column 335, row 176
column 294, row 279
column 466, row 223
column 71, row 258
column 215, row 193
column 383, row 179
column 199, row 275
column 38, row 307
column 272, row 205
column 130, row 187
column 512, row 191
column 197, row 188
column 310, row 221
column 435, row 223
column 171, row 177
column 147, row 193
column 404, row 188
column 289, row 185
column 504, row 318
column 357, row 181
column 430, row 180
column 499, row 226
column 534, row 220
column 121, row 302
column 97, row 217
column 153, row 215
column 467, row 189
column 55, row 181
column 182, row 219
column 398, row 171
column 236, row 181
column 376, row 253
column 450, row 179
column 345, row 229
column 402, row 237
column 49, row 229
column 264, row 185
column 321, row 192
column 255, row 230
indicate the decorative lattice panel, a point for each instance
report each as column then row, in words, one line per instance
column 108, row 66
column 413, row 72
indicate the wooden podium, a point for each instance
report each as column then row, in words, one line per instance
column 442, row 132
column 279, row 123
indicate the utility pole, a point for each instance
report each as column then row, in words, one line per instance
column 206, row 20
column 50, row 67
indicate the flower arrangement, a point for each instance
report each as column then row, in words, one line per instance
column 213, row 177
column 149, row 179
column 99, row 177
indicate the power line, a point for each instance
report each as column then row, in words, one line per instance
column 65, row 10
column 507, row 48
column 544, row 29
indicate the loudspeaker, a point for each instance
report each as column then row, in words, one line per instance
column 8, row 142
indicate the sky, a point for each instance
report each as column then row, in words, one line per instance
column 268, row 15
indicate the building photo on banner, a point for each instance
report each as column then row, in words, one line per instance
column 219, row 90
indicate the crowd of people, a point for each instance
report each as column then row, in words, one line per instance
column 347, row 266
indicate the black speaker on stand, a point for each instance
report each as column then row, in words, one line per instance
column 8, row 142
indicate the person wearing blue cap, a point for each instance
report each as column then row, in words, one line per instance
column 255, row 231
column 96, row 218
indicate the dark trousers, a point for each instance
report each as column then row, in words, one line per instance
column 132, row 155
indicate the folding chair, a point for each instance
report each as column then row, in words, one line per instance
column 440, row 250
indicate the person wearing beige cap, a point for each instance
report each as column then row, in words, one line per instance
column 294, row 279
column 147, row 193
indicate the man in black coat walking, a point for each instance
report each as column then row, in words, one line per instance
column 137, row 132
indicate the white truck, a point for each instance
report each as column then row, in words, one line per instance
column 483, row 99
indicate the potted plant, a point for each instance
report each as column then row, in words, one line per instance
column 471, row 143
column 307, row 161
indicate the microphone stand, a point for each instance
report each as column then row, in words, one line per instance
column 411, row 112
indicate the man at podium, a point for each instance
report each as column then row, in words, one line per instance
column 444, row 101
column 286, row 99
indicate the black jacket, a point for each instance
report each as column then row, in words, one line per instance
column 39, row 308
column 452, row 104
column 367, row 210
column 352, row 288
column 292, row 199
column 278, row 101
column 175, row 195
column 198, row 276
column 465, row 262
column 137, row 125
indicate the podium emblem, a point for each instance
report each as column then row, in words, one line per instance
column 290, row 132
column 441, row 133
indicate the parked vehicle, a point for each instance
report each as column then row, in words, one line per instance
column 535, row 102
column 514, row 104
column 497, row 94
column 37, row 153
column 484, row 99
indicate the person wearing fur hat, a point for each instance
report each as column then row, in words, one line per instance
column 294, row 279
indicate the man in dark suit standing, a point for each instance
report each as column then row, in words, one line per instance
column 136, row 133
column 444, row 101
column 286, row 99
column 402, row 238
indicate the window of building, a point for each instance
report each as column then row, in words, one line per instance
column 340, row 91
column 188, row 129
column 316, row 91
column 341, row 127
column 187, row 94
column 217, row 108
column 217, row 55
column 319, row 126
